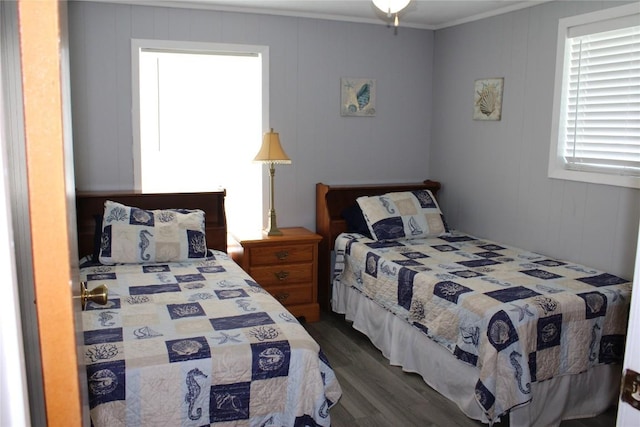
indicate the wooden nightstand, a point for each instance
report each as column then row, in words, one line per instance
column 286, row 266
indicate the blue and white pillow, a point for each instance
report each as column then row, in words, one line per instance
column 403, row 215
column 131, row 235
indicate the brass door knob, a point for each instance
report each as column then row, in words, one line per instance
column 98, row 295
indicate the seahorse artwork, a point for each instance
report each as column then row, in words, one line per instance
column 514, row 356
column 144, row 244
column 386, row 203
column 193, row 391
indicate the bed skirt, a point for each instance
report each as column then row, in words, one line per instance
column 567, row 397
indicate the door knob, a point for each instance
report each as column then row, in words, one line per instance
column 98, row 295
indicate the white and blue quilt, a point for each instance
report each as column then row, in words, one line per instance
column 518, row 316
column 199, row 343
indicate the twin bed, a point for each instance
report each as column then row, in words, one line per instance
column 500, row 331
column 187, row 338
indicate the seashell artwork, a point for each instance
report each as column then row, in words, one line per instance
column 186, row 347
column 271, row 359
column 488, row 99
column 499, row 332
column 141, row 216
column 358, row 97
column 103, row 382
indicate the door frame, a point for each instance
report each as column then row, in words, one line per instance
column 51, row 187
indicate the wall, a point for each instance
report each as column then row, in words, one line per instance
column 494, row 174
column 307, row 59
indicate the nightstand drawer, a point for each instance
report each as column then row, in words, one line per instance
column 281, row 254
column 286, row 266
column 288, row 295
column 282, row 274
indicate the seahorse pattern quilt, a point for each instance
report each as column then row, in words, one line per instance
column 518, row 316
column 199, row 343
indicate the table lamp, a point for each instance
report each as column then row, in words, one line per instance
column 271, row 153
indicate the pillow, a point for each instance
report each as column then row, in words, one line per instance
column 355, row 220
column 402, row 215
column 133, row 235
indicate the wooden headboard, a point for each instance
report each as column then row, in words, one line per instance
column 331, row 200
column 91, row 204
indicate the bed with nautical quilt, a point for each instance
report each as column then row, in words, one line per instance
column 186, row 337
column 499, row 330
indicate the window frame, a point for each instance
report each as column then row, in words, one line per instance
column 137, row 45
column 234, row 205
column 557, row 167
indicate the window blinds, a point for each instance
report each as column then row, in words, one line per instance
column 602, row 102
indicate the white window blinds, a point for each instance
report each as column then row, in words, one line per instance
column 600, row 123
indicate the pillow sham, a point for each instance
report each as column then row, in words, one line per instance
column 403, row 215
column 134, row 235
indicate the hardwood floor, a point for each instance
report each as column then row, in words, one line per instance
column 375, row 393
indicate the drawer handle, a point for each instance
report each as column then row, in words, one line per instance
column 281, row 275
column 282, row 296
column 282, row 255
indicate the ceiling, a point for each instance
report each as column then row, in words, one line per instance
column 426, row 14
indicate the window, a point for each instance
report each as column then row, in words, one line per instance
column 596, row 114
column 200, row 111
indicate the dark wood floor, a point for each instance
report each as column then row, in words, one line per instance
column 375, row 393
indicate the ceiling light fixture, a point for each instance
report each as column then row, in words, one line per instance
column 391, row 7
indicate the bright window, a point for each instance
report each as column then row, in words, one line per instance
column 201, row 110
column 596, row 128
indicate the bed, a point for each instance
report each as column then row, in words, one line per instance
column 502, row 332
column 186, row 337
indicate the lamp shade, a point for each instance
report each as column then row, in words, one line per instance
column 391, row 6
column 271, row 150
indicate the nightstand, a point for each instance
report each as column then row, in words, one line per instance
column 286, row 266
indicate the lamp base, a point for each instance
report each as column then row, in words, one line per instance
column 272, row 229
column 271, row 232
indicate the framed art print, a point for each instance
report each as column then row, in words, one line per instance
column 358, row 97
column 487, row 99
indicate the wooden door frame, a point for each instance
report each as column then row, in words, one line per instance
column 50, row 195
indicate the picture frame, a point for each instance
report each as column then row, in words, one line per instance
column 487, row 99
column 357, row 97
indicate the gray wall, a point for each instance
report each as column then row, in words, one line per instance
column 307, row 59
column 494, row 174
